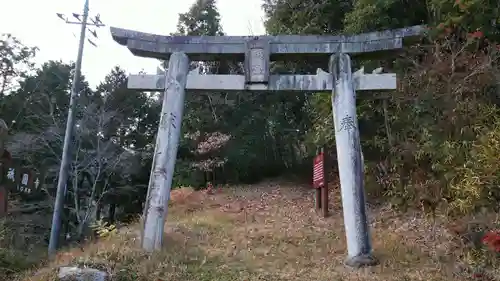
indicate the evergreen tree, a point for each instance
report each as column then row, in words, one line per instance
column 203, row 18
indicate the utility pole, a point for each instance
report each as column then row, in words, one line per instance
column 70, row 123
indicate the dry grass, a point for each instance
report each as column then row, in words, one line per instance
column 271, row 232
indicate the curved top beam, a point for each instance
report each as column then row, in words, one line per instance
column 201, row 48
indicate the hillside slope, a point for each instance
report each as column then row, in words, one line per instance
column 271, row 232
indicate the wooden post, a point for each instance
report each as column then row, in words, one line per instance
column 318, row 199
column 318, row 192
column 5, row 159
column 350, row 163
column 4, row 200
column 167, row 143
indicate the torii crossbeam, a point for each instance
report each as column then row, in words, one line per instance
column 281, row 47
column 257, row 52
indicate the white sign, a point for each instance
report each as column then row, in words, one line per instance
column 11, row 174
column 24, row 180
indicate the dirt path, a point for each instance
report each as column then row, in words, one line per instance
column 275, row 232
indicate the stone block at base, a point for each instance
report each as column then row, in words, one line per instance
column 361, row 261
column 67, row 273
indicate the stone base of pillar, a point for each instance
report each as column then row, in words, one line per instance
column 361, row 261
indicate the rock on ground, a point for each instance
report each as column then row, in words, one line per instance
column 71, row 273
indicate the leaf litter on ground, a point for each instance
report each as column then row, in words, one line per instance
column 271, row 231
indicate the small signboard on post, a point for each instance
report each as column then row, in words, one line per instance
column 320, row 183
column 318, row 171
column 17, row 180
column 22, row 180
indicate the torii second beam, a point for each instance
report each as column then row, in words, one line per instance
column 322, row 81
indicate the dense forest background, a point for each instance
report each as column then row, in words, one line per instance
column 435, row 140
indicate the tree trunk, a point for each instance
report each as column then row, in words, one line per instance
column 98, row 211
column 111, row 213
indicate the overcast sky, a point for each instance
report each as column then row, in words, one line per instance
column 35, row 23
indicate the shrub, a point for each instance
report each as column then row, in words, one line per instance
column 479, row 184
column 12, row 261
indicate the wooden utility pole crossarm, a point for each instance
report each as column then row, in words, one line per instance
column 203, row 48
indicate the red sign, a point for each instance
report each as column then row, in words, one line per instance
column 318, row 171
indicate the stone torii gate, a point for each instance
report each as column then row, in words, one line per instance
column 257, row 52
